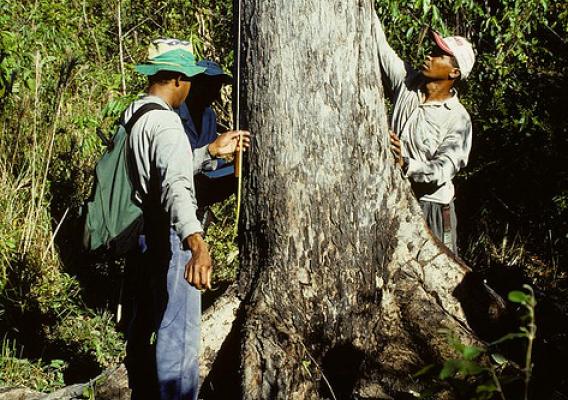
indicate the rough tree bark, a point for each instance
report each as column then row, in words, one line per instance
column 340, row 276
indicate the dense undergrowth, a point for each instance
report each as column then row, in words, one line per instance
column 61, row 77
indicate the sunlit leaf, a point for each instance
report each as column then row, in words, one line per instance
column 499, row 359
column 516, row 296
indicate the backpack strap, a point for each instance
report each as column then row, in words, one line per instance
column 139, row 113
column 130, row 164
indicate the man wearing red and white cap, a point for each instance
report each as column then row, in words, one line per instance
column 430, row 128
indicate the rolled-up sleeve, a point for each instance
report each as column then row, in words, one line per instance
column 449, row 158
column 172, row 157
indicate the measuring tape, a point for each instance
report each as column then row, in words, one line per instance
column 239, row 155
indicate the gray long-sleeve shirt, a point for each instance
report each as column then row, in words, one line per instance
column 435, row 136
column 158, row 142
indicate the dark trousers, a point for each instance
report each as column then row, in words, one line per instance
column 442, row 221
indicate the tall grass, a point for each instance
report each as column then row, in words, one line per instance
column 19, row 371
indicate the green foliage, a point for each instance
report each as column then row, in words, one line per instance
column 60, row 80
column 515, row 95
column 93, row 335
column 19, row 371
column 479, row 373
column 221, row 237
column 7, row 64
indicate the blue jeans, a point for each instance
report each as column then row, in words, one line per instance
column 165, row 304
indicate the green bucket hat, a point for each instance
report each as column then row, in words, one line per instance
column 170, row 55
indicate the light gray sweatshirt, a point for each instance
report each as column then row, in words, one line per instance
column 158, row 141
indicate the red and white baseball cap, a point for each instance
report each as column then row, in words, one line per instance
column 460, row 48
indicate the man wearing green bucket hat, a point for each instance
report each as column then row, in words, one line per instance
column 173, row 252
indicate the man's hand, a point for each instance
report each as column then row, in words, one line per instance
column 198, row 269
column 396, row 148
column 228, row 143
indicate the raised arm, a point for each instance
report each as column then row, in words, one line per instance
column 394, row 69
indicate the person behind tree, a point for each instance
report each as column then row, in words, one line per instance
column 174, row 264
column 430, row 129
column 200, row 123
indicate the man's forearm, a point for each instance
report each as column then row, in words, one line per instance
column 203, row 160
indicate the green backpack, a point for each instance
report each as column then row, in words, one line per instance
column 113, row 220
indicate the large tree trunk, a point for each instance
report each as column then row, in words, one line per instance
column 341, row 278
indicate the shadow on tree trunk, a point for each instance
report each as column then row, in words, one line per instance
column 224, row 380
